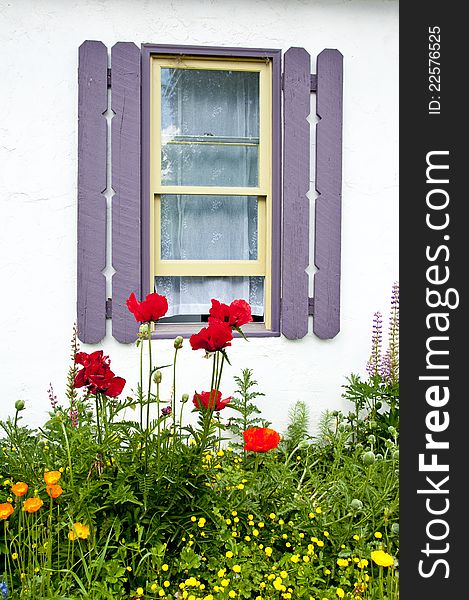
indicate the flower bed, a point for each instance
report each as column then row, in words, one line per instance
column 94, row 505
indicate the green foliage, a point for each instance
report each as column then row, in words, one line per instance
column 174, row 513
column 243, row 401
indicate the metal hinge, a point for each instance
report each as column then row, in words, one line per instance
column 109, row 308
column 109, row 78
column 310, row 306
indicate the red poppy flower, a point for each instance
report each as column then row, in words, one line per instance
column 260, row 439
column 212, row 338
column 238, row 313
column 151, row 309
column 96, row 374
column 213, row 403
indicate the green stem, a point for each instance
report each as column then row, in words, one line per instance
column 173, row 407
column 150, row 373
column 141, row 385
column 69, row 455
column 98, row 424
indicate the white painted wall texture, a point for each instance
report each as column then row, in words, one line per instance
column 39, row 42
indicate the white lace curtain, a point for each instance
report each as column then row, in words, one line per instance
column 210, row 132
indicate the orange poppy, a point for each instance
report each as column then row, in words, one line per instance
column 6, row 509
column 32, row 505
column 19, row 489
column 54, row 491
column 52, row 477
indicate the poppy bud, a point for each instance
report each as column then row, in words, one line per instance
column 19, row 405
column 185, row 398
column 369, row 458
column 157, row 377
column 178, row 342
column 356, row 504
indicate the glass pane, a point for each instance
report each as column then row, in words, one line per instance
column 193, row 295
column 208, row 227
column 210, row 127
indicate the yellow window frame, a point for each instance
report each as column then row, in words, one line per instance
column 263, row 265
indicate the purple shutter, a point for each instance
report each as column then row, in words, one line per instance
column 91, row 242
column 326, row 309
column 126, row 177
column 296, row 92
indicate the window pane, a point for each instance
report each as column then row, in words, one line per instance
column 210, row 127
column 193, row 295
column 208, row 227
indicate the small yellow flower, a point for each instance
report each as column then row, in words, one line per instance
column 295, row 558
column 340, row 592
column 153, row 587
column 201, row 522
column 166, row 583
column 381, row 558
column 240, row 486
column 283, row 574
column 255, row 532
column 229, row 554
column 221, row 573
column 378, row 535
column 193, row 519
column 362, row 563
column 306, row 558
column 164, row 567
column 139, row 591
column 128, row 569
column 326, row 534
column 232, row 594
column 356, row 537
column 268, row 551
column 236, row 568
column 342, row 562
column 272, row 516
column 81, row 531
column 318, row 510
column 225, row 582
column 14, row 556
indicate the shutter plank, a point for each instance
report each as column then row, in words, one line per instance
column 91, row 241
column 126, row 174
column 326, row 313
column 297, row 84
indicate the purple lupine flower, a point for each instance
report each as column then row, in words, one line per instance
column 167, row 410
column 52, row 396
column 4, row 589
column 394, row 334
column 73, row 414
column 385, row 367
column 374, row 361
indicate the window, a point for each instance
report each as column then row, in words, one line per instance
column 210, row 184
column 205, row 201
column 213, row 196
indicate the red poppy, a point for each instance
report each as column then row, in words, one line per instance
column 96, row 374
column 213, row 403
column 212, row 338
column 238, row 313
column 151, row 309
column 260, row 439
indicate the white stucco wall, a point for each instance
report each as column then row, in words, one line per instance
column 39, row 42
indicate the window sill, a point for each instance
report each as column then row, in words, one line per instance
column 172, row 330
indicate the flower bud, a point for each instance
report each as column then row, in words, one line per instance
column 178, row 342
column 379, row 456
column 356, row 504
column 19, row 405
column 157, row 377
column 144, row 330
column 185, row 398
column 369, row 458
column 371, row 439
column 378, row 404
column 395, row 454
column 392, row 430
column 395, row 528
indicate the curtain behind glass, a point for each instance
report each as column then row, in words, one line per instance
column 200, row 107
